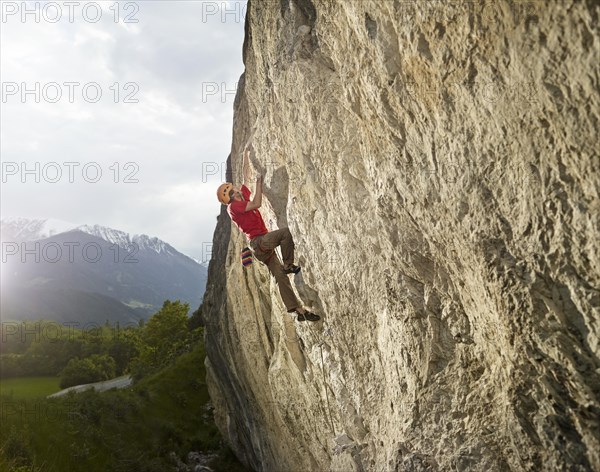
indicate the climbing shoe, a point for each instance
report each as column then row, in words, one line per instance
column 293, row 269
column 308, row 316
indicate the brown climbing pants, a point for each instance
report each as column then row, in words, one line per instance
column 264, row 250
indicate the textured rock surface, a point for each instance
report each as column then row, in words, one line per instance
column 437, row 164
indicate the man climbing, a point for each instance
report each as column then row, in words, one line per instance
column 244, row 213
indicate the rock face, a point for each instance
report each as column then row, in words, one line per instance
column 437, row 164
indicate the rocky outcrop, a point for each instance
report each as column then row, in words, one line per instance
column 437, row 164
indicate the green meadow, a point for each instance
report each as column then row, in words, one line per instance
column 29, row 387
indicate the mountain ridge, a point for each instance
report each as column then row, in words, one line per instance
column 32, row 229
column 94, row 263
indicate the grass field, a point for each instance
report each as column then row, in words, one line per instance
column 29, row 387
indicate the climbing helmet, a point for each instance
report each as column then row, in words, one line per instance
column 223, row 193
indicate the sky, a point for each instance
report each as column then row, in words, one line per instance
column 119, row 113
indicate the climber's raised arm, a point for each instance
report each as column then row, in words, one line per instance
column 246, row 165
column 255, row 203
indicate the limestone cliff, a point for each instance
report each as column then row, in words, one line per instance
column 437, row 164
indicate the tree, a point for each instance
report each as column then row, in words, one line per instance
column 163, row 337
column 94, row 368
column 196, row 320
column 124, row 348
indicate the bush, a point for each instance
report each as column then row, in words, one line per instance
column 95, row 368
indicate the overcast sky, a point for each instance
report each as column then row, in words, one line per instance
column 180, row 61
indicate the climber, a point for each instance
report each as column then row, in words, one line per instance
column 244, row 213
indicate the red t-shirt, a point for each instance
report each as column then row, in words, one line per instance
column 249, row 222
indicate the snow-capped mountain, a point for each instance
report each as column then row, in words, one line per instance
column 47, row 272
column 125, row 240
column 26, row 229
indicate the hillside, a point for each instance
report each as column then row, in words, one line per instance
column 157, row 425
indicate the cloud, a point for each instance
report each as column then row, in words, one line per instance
column 165, row 65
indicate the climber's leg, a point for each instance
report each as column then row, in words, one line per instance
column 287, row 293
column 281, row 237
column 283, row 282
